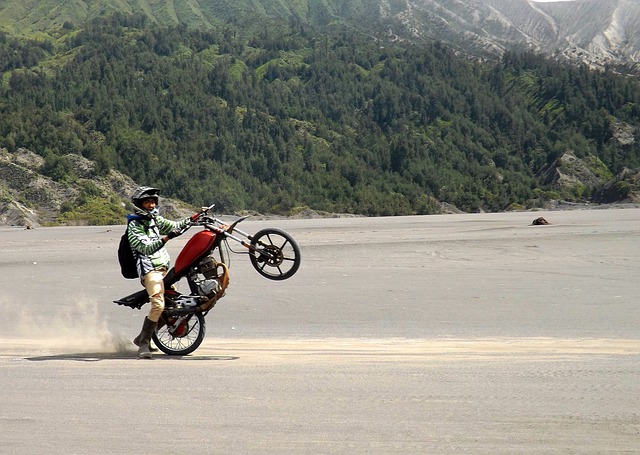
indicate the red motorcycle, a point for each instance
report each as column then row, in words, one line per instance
column 204, row 263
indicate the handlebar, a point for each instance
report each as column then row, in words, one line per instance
column 213, row 223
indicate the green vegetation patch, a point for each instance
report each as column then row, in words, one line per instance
column 206, row 115
column 95, row 211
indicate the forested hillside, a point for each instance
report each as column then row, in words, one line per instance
column 275, row 117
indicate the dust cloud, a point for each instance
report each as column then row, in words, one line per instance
column 78, row 327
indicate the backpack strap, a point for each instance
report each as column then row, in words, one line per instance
column 135, row 217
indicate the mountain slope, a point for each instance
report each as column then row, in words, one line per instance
column 281, row 117
column 597, row 32
column 35, row 16
column 29, row 198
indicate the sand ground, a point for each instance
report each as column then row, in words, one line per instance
column 409, row 335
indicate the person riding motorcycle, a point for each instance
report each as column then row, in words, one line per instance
column 148, row 232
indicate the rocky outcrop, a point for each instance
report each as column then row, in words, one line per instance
column 588, row 179
column 27, row 198
column 30, row 199
column 598, row 33
column 624, row 188
column 570, row 171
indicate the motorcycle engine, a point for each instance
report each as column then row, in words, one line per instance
column 207, row 277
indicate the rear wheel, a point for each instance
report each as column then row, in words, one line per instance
column 179, row 335
column 274, row 254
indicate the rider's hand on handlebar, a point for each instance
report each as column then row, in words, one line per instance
column 222, row 227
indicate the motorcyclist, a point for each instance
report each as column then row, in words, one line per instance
column 148, row 232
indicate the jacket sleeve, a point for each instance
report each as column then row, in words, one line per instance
column 165, row 226
column 141, row 241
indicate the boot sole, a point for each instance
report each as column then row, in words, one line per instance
column 151, row 348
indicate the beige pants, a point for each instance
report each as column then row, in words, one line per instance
column 154, row 285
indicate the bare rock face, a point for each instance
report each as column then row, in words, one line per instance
column 569, row 171
column 13, row 213
column 594, row 32
column 624, row 188
column 573, row 174
column 30, row 199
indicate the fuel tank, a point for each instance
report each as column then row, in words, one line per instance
column 196, row 248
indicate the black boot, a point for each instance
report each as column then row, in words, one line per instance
column 152, row 348
column 136, row 341
column 143, row 340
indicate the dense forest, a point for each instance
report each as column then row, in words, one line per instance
column 277, row 116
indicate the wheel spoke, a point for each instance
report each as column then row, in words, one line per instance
column 274, row 248
column 181, row 345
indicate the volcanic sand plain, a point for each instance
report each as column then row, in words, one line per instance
column 473, row 333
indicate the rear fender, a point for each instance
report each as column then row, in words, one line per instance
column 135, row 300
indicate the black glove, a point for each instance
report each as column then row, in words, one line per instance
column 175, row 233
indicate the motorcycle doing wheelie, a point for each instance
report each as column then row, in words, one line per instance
column 204, row 263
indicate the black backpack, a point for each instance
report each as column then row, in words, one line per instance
column 126, row 258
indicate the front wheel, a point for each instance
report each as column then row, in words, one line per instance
column 274, row 254
column 179, row 335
